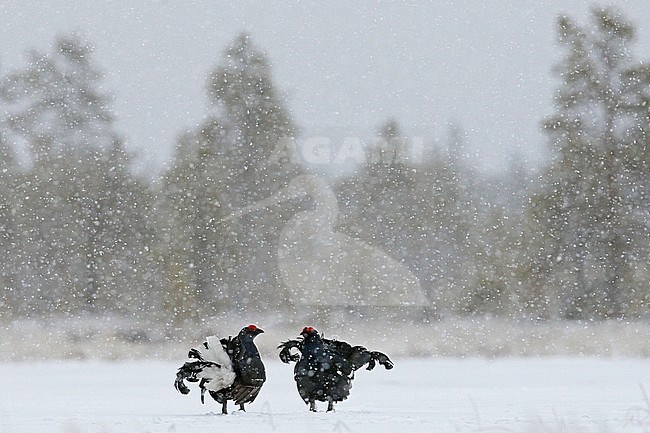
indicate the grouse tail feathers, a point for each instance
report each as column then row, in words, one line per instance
column 381, row 358
column 285, row 351
column 359, row 356
column 213, row 367
column 192, row 372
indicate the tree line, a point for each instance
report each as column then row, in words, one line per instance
column 81, row 231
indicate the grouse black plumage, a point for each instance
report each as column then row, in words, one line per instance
column 228, row 369
column 325, row 368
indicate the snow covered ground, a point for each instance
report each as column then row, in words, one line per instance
column 554, row 395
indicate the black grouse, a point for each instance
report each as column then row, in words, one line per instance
column 228, row 369
column 325, row 368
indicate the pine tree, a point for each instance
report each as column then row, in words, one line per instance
column 236, row 157
column 377, row 198
column 446, row 193
column 9, row 180
column 194, row 200
column 121, row 233
column 587, row 207
column 377, row 195
column 383, row 203
column 245, row 99
column 72, row 225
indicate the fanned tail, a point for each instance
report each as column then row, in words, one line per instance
column 381, row 358
column 358, row 356
column 212, row 367
column 191, row 371
column 285, row 351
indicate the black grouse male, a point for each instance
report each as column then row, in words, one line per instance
column 325, row 368
column 228, row 369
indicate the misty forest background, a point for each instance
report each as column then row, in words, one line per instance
column 82, row 232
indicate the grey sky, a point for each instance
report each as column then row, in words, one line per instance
column 345, row 67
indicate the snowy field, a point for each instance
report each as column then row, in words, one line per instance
column 554, row 395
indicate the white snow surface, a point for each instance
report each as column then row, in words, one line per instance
column 571, row 394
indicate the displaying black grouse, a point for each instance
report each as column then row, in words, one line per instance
column 325, row 368
column 228, row 369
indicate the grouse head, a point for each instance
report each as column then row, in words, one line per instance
column 250, row 331
column 309, row 332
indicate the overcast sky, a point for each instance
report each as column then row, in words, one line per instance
column 345, row 67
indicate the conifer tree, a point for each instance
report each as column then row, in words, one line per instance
column 76, row 215
column 236, row 157
column 588, row 207
column 9, row 180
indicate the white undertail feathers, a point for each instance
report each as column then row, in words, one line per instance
column 218, row 376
